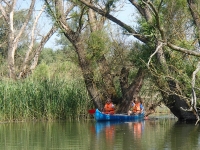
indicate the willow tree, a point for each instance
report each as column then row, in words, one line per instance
column 169, row 30
column 84, row 29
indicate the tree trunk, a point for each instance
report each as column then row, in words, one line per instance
column 178, row 107
column 108, row 89
column 131, row 91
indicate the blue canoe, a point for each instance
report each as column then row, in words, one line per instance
column 99, row 116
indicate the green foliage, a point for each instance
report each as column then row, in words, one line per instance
column 48, row 56
column 3, row 68
column 174, row 18
column 182, row 67
column 55, row 90
column 98, row 45
column 146, row 28
column 139, row 54
column 3, row 38
column 41, row 72
column 57, row 70
column 66, row 52
column 110, row 4
column 19, row 18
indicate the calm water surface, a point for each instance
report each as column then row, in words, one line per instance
column 153, row 134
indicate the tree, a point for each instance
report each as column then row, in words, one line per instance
column 83, row 28
column 16, row 29
column 165, row 27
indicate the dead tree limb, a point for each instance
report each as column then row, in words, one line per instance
column 193, row 102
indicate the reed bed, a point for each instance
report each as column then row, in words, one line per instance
column 43, row 100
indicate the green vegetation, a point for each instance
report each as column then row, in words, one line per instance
column 45, row 99
column 45, row 95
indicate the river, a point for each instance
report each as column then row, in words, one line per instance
column 156, row 133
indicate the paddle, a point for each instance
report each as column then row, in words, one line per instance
column 91, row 111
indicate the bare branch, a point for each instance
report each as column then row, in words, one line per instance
column 144, row 10
column 69, row 9
column 2, row 44
column 26, row 21
column 7, row 2
column 157, row 49
column 183, row 50
column 133, row 2
column 4, row 13
column 41, row 45
column 194, row 74
column 194, row 98
column 32, row 41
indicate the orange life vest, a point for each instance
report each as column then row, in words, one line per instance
column 136, row 108
column 108, row 108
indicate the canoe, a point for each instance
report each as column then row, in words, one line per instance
column 99, row 116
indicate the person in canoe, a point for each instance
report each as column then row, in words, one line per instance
column 109, row 107
column 136, row 106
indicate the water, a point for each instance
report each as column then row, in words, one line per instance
column 160, row 133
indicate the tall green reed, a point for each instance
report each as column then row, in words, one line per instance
column 43, row 100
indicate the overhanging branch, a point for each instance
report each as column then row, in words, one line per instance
column 115, row 20
column 183, row 50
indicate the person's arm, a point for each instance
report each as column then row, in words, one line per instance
column 131, row 106
column 113, row 106
column 104, row 108
column 141, row 107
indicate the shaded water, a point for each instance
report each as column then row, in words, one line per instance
column 152, row 134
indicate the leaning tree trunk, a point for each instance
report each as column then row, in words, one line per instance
column 88, row 75
column 108, row 89
column 178, row 107
column 75, row 38
column 177, row 104
column 175, row 101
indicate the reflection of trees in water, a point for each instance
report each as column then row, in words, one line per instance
column 155, row 132
column 183, row 136
column 45, row 135
column 168, row 133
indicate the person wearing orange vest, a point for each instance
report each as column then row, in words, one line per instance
column 109, row 107
column 136, row 106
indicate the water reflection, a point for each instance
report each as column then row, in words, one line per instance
column 137, row 128
column 153, row 134
column 109, row 132
column 109, row 128
column 183, row 136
